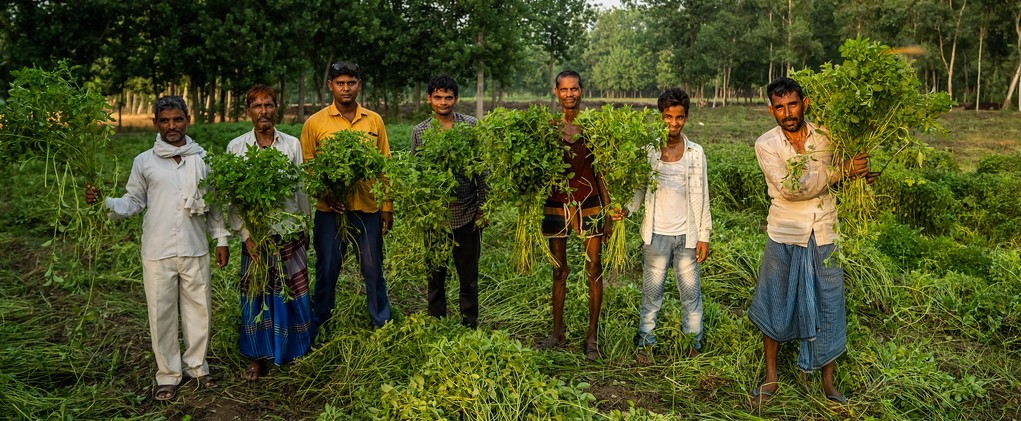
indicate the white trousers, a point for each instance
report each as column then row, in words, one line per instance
column 170, row 282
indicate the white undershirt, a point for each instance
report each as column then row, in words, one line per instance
column 671, row 198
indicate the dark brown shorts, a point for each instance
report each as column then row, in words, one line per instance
column 559, row 219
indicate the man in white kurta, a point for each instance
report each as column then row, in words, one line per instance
column 175, row 251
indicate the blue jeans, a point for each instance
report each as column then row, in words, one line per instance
column 656, row 260
column 367, row 231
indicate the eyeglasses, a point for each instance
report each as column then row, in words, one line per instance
column 346, row 65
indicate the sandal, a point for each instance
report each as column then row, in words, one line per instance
column 206, row 381
column 643, row 357
column 592, row 351
column 837, row 399
column 760, row 396
column 165, row 392
column 550, row 342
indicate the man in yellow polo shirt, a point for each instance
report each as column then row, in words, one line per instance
column 368, row 223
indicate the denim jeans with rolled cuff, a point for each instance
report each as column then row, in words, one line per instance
column 657, row 257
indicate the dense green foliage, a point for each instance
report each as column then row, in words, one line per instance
column 932, row 333
column 870, row 101
column 723, row 50
column 619, row 140
column 253, row 186
column 524, row 153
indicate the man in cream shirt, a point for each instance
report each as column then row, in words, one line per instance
column 798, row 296
column 175, row 251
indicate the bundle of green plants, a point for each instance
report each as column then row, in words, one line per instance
column 422, row 197
column 52, row 117
column 619, row 140
column 873, row 100
column 340, row 163
column 49, row 115
column 526, row 158
column 254, row 186
column 423, row 186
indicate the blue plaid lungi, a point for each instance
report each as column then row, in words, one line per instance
column 798, row 296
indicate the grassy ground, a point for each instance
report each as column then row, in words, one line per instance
column 923, row 343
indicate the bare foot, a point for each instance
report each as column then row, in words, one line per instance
column 253, row 371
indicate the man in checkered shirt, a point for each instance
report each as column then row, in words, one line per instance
column 466, row 211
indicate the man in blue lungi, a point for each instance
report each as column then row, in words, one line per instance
column 798, row 296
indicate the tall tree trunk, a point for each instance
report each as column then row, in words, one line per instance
column 1010, row 90
column 949, row 65
column 726, row 84
column 978, row 77
column 480, row 79
column 418, row 95
column 120, row 109
column 493, row 88
column 1017, row 73
column 326, row 76
column 301, row 98
column 716, row 90
column 552, row 80
column 211, row 101
column 281, row 99
column 770, row 47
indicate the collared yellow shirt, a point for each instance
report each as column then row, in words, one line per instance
column 323, row 124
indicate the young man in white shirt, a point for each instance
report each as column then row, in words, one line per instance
column 675, row 230
column 175, row 251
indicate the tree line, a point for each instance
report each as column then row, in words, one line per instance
column 720, row 50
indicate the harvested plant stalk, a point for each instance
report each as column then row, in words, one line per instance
column 873, row 100
column 619, row 140
column 423, row 186
column 254, row 186
column 526, row 159
column 50, row 116
column 340, row 163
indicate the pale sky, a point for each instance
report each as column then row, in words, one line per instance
column 605, row 4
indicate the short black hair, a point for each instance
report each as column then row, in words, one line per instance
column 570, row 73
column 673, row 97
column 169, row 102
column 783, row 86
column 442, row 82
column 344, row 68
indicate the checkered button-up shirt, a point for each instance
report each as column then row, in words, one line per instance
column 471, row 192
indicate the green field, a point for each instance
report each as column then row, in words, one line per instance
column 933, row 296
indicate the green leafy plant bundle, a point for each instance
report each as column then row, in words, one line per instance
column 254, row 186
column 340, row 163
column 52, row 117
column 526, row 158
column 619, row 139
column 873, row 100
column 422, row 187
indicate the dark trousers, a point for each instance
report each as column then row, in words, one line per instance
column 467, row 249
column 366, row 229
